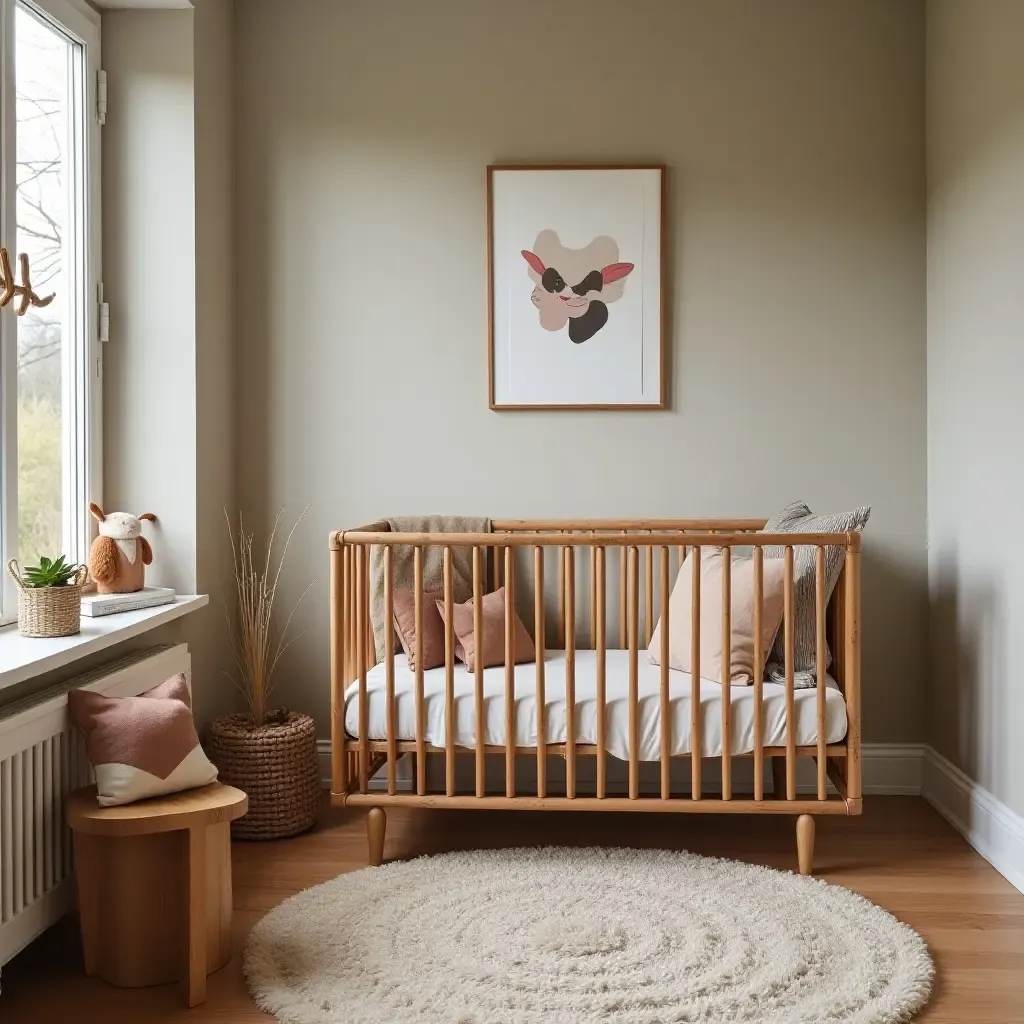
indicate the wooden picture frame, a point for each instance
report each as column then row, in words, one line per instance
column 586, row 350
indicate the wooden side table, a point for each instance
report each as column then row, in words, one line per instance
column 154, row 886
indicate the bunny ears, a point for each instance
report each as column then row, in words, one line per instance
column 99, row 515
column 613, row 272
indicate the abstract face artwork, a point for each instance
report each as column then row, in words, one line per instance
column 575, row 286
column 575, row 262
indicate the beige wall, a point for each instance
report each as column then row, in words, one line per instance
column 215, row 370
column 794, row 136
column 975, row 367
column 149, row 268
column 169, row 367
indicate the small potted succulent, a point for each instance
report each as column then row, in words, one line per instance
column 49, row 596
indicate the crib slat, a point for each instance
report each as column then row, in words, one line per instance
column 758, row 674
column 790, row 656
column 648, row 594
column 560, row 618
column 371, row 643
column 421, row 712
column 623, row 573
column 601, row 660
column 349, row 668
column 389, row 669
column 726, row 674
column 666, row 723
column 370, row 646
column 634, row 698
column 449, row 678
column 569, row 559
column 592, row 636
column 538, row 642
column 695, row 740
column 819, row 649
column 351, row 645
column 851, row 663
column 497, row 560
column 339, row 759
column 510, row 673
column 364, row 718
column 478, row 665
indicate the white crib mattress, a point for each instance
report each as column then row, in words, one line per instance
column 617, row 714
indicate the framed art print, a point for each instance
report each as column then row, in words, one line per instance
column 576, row 283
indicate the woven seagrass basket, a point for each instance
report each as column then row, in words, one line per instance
column 275, row 765
column 49, row 611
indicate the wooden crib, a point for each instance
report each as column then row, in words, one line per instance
column 592, row 559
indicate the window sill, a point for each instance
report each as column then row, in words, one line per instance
column 22, row 657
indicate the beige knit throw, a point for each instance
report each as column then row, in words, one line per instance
column 433, row 564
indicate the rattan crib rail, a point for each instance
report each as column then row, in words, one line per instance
column 641, row 555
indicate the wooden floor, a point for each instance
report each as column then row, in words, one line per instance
column 900, row 854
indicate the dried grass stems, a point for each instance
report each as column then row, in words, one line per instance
column 255, row 646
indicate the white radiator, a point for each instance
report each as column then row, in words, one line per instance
column 42, row 758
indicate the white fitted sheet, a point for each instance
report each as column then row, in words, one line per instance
column 617, row 703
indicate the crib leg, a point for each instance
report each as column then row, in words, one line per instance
column 805, row 844
column 375, row 822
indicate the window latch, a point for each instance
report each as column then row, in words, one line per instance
column 101, row 97
column 104, row 314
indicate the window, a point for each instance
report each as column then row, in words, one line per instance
column 49, row 357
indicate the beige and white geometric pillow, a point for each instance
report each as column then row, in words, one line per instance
column 141, row 746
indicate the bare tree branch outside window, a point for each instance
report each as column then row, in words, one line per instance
column 42, row 59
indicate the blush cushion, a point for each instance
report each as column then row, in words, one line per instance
column 404, row 605
column 742, row 669
column 141, row 746
column 493, row 643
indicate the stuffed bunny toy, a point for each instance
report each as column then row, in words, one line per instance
column 120, row 554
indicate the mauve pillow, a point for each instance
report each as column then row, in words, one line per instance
column 141, row 746
column 493, row 643
column 404, row 604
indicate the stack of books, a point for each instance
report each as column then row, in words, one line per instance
column 107, row 604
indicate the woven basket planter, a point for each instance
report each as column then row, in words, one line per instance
column 275, row 765
column 49, row 611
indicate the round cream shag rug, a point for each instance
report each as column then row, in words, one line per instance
column 559, row 936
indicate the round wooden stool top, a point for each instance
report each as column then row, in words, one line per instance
column 194, row 808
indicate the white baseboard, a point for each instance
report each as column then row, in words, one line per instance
column 403, row 772
column 995, row 831
column 892, row 769
column 888, row 769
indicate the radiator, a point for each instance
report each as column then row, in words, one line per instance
column 42, row 758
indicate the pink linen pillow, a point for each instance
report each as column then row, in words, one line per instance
column 493, row 643
column 404, row 604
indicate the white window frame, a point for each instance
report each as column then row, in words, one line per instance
column 82, row 374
